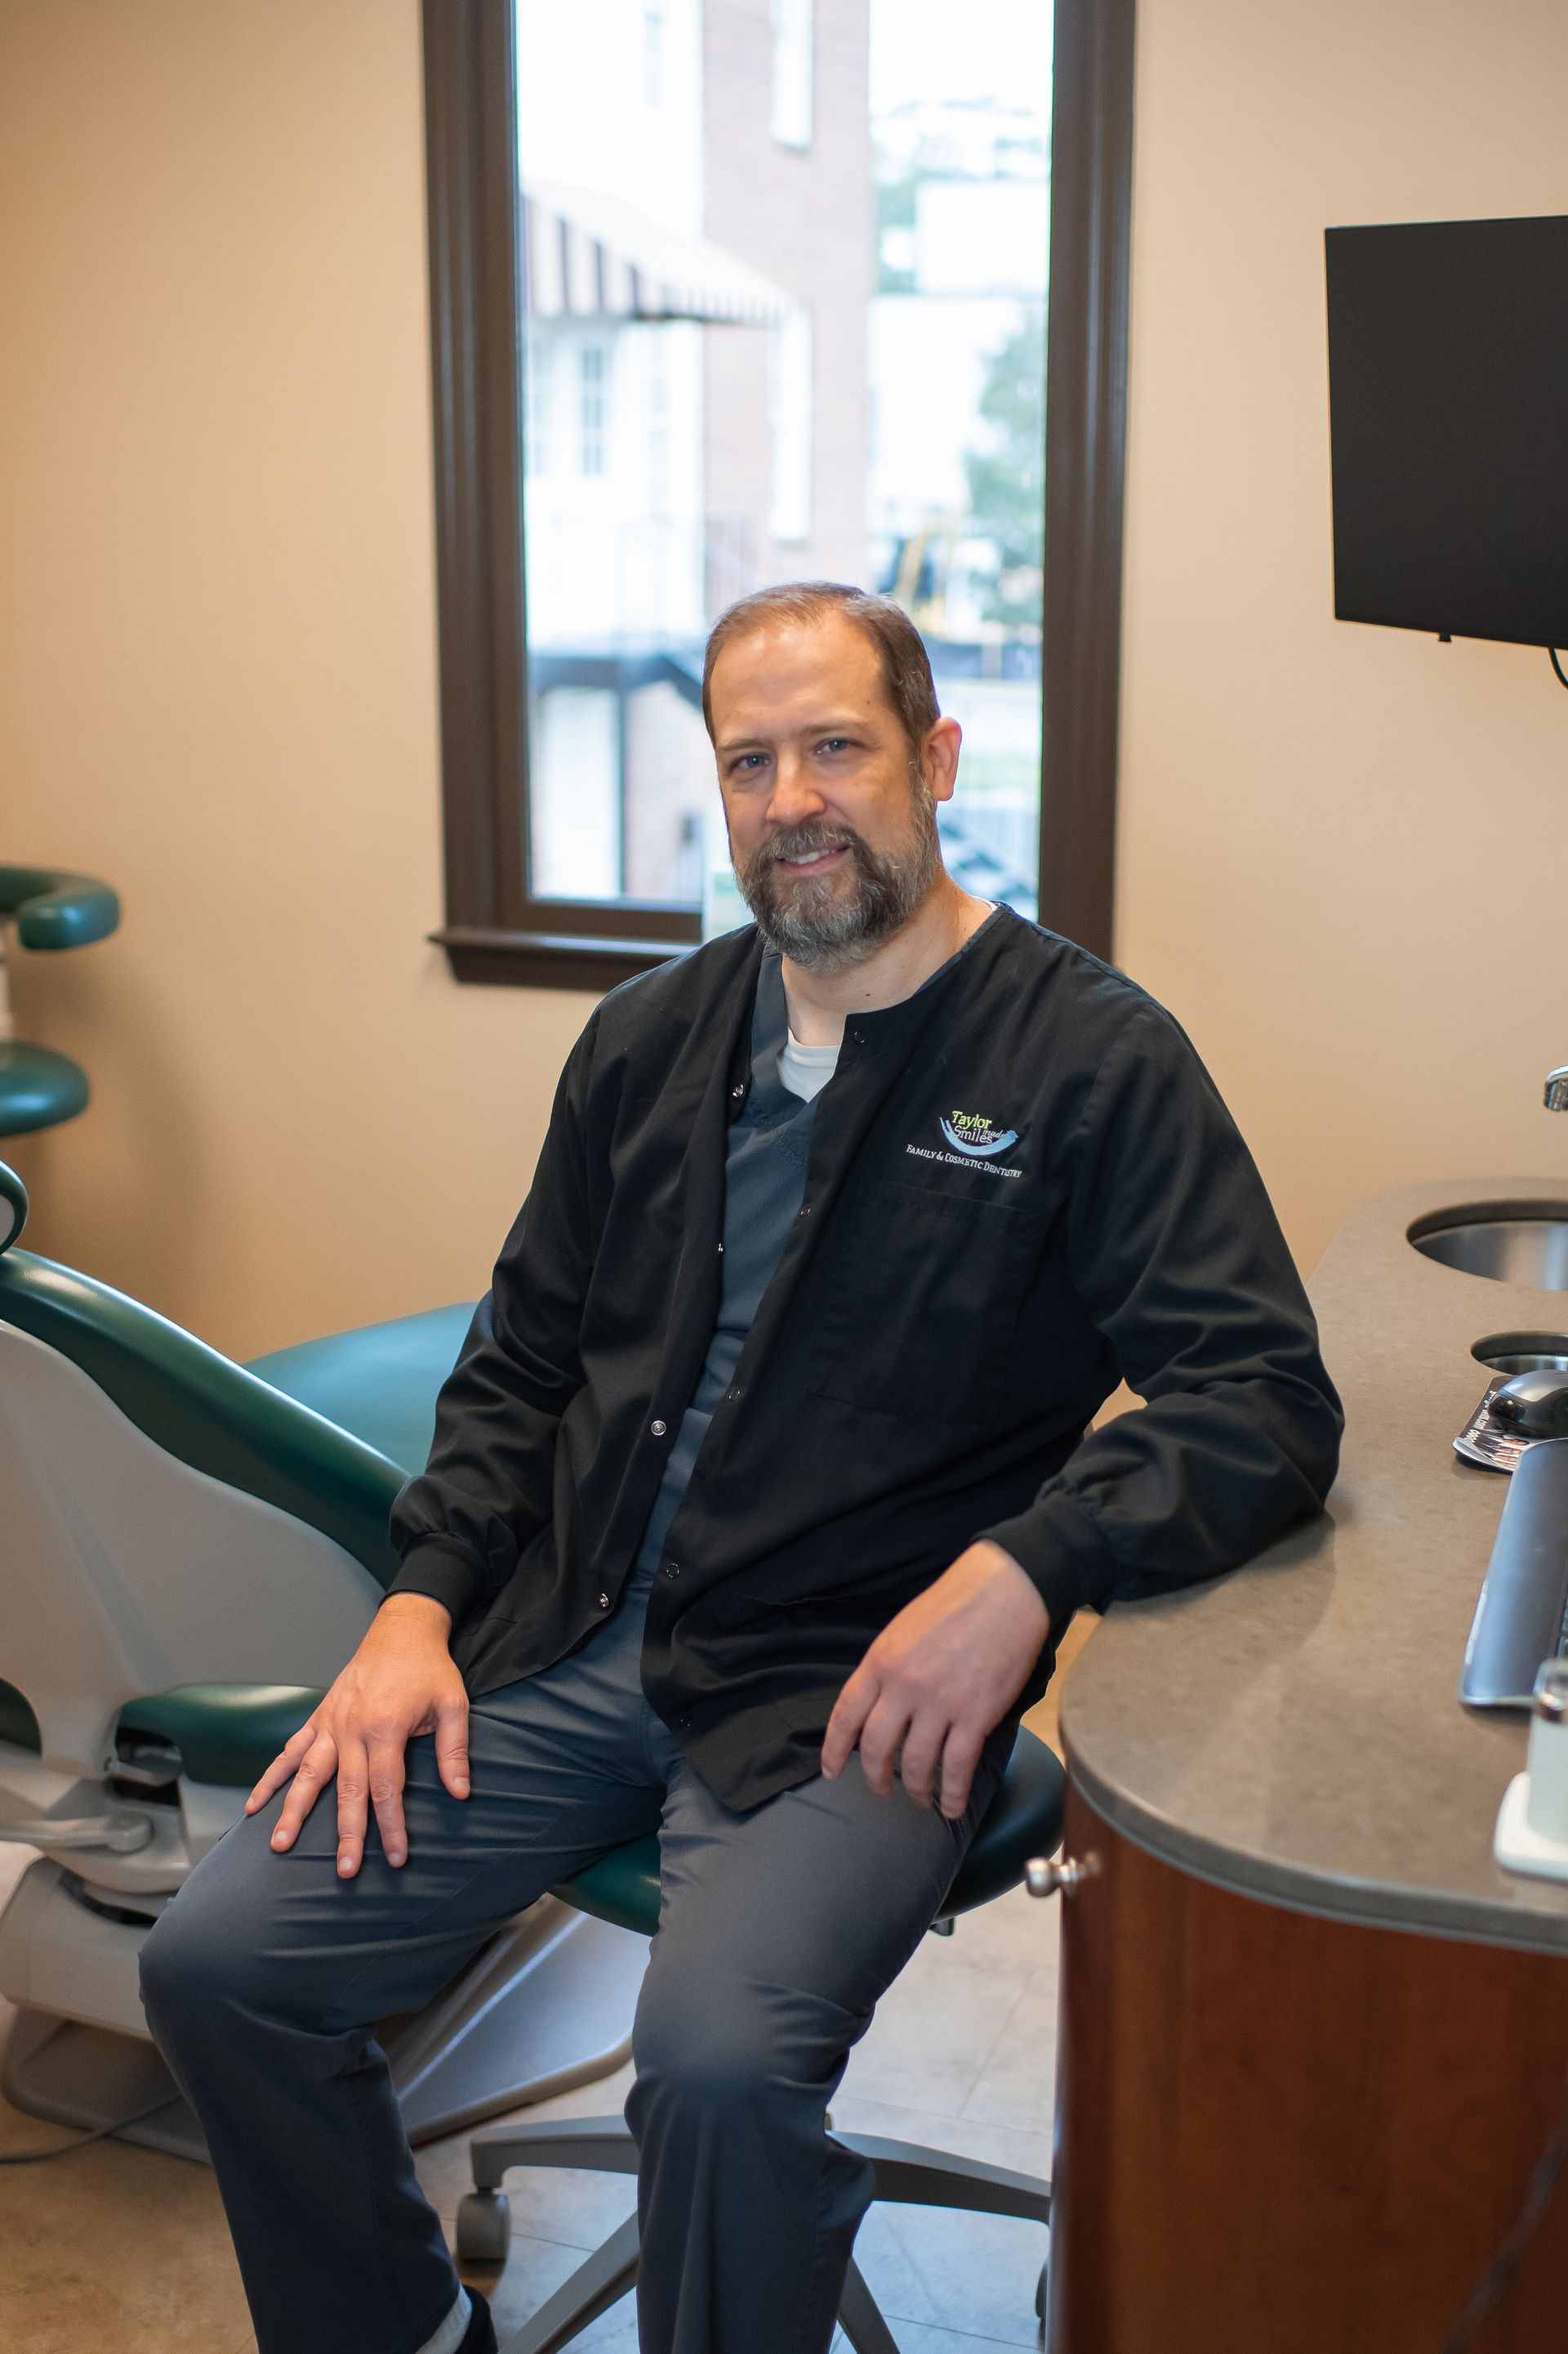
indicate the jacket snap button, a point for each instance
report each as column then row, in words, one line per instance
column 671, row 1569
column 658, row 1429
column 604, row 1602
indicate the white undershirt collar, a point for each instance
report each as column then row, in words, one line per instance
column 806, row 1070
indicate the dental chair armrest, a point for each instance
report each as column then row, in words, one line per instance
column 226, row 1733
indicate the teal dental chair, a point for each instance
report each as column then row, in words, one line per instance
column 190, row 1550
column 49, row 910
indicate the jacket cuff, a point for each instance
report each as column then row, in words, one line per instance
column 1062, row 1554
column 444, row 1575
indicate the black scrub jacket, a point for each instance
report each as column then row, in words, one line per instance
column 1022, row 1185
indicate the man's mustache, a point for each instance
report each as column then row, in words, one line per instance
column 801, row 841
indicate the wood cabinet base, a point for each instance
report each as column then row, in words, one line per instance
column 1283, row 2135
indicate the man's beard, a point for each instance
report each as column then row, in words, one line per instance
column 812, row 918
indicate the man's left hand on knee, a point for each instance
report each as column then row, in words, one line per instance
column 939, row 1678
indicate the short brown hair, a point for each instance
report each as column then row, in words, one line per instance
column 905, row 666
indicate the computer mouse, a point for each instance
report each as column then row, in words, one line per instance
column 1535, row 1405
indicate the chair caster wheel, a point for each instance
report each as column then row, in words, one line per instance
column 484, row 2227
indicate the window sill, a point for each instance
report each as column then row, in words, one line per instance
column 494, row 959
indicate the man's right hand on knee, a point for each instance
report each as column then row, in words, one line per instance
column 399, row 1683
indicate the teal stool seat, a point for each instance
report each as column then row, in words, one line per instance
column 229, row 1733
column 38, row 1088
column 379, row 1382
column 1024, row 1819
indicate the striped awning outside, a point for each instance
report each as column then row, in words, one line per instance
column 587, row 256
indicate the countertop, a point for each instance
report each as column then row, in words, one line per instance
column 1293, row 1730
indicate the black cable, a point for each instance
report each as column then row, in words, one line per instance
column 1561, row 674
column 1497, row 2278
column 79, row 2141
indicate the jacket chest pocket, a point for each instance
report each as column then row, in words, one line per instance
column 924, row 1291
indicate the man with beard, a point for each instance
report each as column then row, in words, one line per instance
column 759, row 1500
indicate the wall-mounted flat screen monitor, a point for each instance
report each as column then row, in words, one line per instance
column 1449, row 406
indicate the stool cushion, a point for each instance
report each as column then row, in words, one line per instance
column 379, row 1382
column 228, row 1733
column 1024, row 1819
column 38, row 1088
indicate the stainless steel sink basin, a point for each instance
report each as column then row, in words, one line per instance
column 1511, row 1242
column 1522, row 1352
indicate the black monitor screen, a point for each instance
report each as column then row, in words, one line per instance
column 1448, row 405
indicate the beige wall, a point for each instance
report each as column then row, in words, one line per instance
column 1342, row 848
column 217, row 668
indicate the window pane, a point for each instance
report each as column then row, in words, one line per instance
column 784, row 287
column 575, row 783
column 792, row 72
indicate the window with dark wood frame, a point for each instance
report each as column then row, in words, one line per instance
column 494, row 932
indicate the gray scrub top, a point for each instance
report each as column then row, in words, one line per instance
column 765, row 1177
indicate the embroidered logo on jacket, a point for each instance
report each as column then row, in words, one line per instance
column 972, row 1133
column 976, row 1143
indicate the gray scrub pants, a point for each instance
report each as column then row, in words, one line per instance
column 779, row 1931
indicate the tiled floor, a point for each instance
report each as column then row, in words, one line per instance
column 117, row 2249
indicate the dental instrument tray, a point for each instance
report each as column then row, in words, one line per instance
column 1521, row 1617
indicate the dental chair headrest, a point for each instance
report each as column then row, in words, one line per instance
column 12, row 1206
